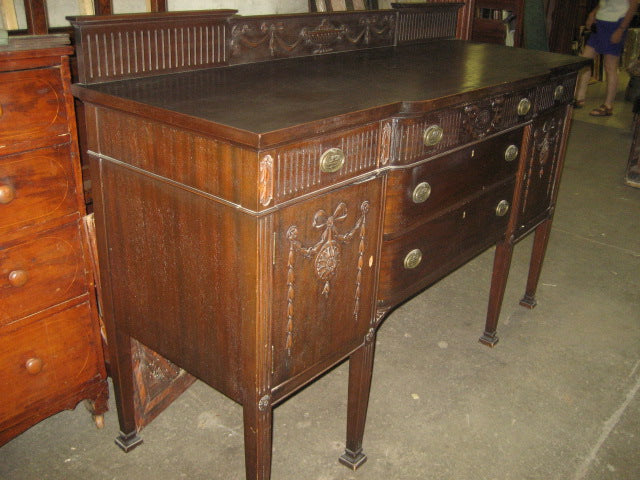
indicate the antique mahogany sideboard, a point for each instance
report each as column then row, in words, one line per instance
column 267, row 189
column 50, row 345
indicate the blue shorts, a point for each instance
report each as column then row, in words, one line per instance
column 600, row 39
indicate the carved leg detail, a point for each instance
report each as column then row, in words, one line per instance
column 501, row 264
column 360, row 371
column 258, row 422
column 540, row 242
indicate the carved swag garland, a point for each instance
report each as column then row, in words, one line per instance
column 326, row 255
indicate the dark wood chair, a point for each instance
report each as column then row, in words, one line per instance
column 341, row 5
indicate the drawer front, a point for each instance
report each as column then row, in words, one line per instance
column 417, row 194
column 321, row 162
column 427, row 253
column 41, row 272
column 32, row 105
column 422, row 137
column 35, row 187
column 558, row 91
column 45, row 359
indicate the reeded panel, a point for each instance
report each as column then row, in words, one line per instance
column 299, row 168
column 439, row 21
column 117, row 47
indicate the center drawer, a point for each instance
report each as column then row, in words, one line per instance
column 415, row 195
column 425, row 254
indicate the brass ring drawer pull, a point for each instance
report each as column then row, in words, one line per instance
column 413, row 259
column 18, row 278
column 33, row 365
column 421, row 192
column 558, row 93
column 524, row 106
column 502, row 208
column 7, row 194
column 332, row 160
column 511, row 153
column 433, row 135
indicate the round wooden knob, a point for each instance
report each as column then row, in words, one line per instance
column 34, row 365
column 17, row 278
column 7, row 194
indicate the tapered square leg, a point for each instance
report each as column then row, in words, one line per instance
column 258, row 427
column 360, row 372
column 501, row 264
column 540, row 242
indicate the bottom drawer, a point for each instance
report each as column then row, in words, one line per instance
column 432, row 250
column 43, row 359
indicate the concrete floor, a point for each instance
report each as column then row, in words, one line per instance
column 556, row 399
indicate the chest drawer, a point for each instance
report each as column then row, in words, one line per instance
column 45, row 359
column 41, row 272
column 417, row 194
column 31, row 105
column 35, row 187
column 427, row 253
column 417, row 138
column 320, row 162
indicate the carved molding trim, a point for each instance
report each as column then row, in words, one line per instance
column 326, row 256
column 321, row 38
column 479, row 121
column 385, row 143
column 265, row 186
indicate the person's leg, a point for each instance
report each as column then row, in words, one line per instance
column 585, row 75
column 611, row 70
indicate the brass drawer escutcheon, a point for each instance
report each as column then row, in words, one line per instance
column 558, row 93
column 7, row 194
column 524, row 106
column 433, row 135
column 421, row 192
column 332, row 160
column 511, row 153
column 502, row 208
column 413, row 259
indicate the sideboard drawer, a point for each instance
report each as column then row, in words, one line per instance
column 417, row 138
column 36, row 186
column 31, row 105
column 324, row 161
column 417, row 194
column 43, row 271
column 46, row 359
column 427, row 253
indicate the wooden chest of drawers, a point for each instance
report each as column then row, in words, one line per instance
column 50, row 345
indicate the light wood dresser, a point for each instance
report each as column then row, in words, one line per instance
column 50, row 345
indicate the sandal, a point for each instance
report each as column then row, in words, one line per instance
column 601, row 111
column 577, row 104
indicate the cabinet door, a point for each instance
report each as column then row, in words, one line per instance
column 324, row 275
column 544, row 160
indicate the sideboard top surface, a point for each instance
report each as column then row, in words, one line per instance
column 259, row 104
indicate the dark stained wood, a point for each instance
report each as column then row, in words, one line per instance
column 159, row 5
column 50, row 348
column 103, row 7
column 36, row 13
column 264, row 233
